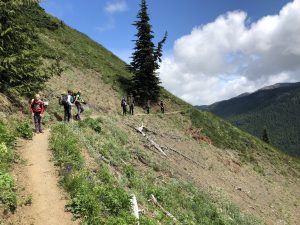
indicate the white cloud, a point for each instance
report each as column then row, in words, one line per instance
column 229, row 56
column 114, row 7
column 111, row 8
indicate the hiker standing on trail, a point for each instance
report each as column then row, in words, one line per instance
column 162, row 106
column 148, row 104
column 78, row 101
column 45, row 101
column 131, row 104
column 37, row 109
column 67, row 103
column 124, row 106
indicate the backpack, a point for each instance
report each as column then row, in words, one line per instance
column 123, row 103
column 72, row 100
column 63, row 100
column 37, row 106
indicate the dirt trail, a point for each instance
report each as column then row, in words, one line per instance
column 155, row 114
column 40, row 180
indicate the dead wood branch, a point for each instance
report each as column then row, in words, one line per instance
column 154, row 200
column 184, row 156
column 152, row 142
column 135, row 208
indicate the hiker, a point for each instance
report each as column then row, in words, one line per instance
column 79, row 107
column 45, row 101
column 162, row 107
column 67, row 103
column 131, row 104
column 37, row 109
column 124, row 106
column 148, row 106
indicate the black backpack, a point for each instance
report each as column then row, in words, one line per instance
column 123, row 103
column 63, row 100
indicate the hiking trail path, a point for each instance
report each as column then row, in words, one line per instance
column 155, row 114
column 39, row 179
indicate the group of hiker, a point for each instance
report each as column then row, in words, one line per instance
column 69, row 99
column 38, row 106
column 130, row 102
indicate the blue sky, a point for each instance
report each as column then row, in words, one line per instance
column 178, row 17
column 215, row 50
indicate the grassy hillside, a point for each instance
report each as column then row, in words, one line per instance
column 213, row 173
column 276, row 109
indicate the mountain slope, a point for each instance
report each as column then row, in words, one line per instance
column 275, row 107
column 212, row 173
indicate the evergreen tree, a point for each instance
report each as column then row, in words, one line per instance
column 145, row 59
column 21, row 70
column 265, row 136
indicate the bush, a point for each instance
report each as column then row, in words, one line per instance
column 115, row 199
column 24, row 129
column 6, row 136
column 94, row 124
column 7, row 194
column 66, row 148
column 84, row 202
column 6, row 154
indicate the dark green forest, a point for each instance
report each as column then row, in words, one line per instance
column 276, row 109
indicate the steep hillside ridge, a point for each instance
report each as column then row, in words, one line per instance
column 226, row 162
column 275, row 107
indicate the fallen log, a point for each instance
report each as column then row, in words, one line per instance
column 135, row 208
column 153, row 143
column 154, row 200
column 184, row 156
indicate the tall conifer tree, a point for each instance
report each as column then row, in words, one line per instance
column 145, row 59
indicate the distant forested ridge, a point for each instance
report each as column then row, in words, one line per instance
column 276, row 108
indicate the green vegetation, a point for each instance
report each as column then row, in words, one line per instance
column 101, row 195
column 95, row 197
column 19, row 60
column 58, row 41
column 226, row 136
column 9, row 130
column 145, row 59
column 7, row 187
column 24, row 129
column 7, row 191
column 275, row 109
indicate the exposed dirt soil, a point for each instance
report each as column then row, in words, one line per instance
column 37, row 181
column 272, row 197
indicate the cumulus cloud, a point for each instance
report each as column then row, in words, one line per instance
column 230, row 56
column 114, row 7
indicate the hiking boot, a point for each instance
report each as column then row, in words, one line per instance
column 41, row 131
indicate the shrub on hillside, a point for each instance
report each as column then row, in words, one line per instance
column 66, row 148
column 94, row 124
column 6, row 154
column 7, row 195
column 6, row 136
column 24, row 129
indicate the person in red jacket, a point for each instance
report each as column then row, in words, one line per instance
column 37, row 109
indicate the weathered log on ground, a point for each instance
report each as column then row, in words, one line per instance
column 154, row 200
column 135, row 208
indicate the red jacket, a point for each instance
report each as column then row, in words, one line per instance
column 37, row 106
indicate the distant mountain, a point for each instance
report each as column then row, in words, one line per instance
column 276, row 107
